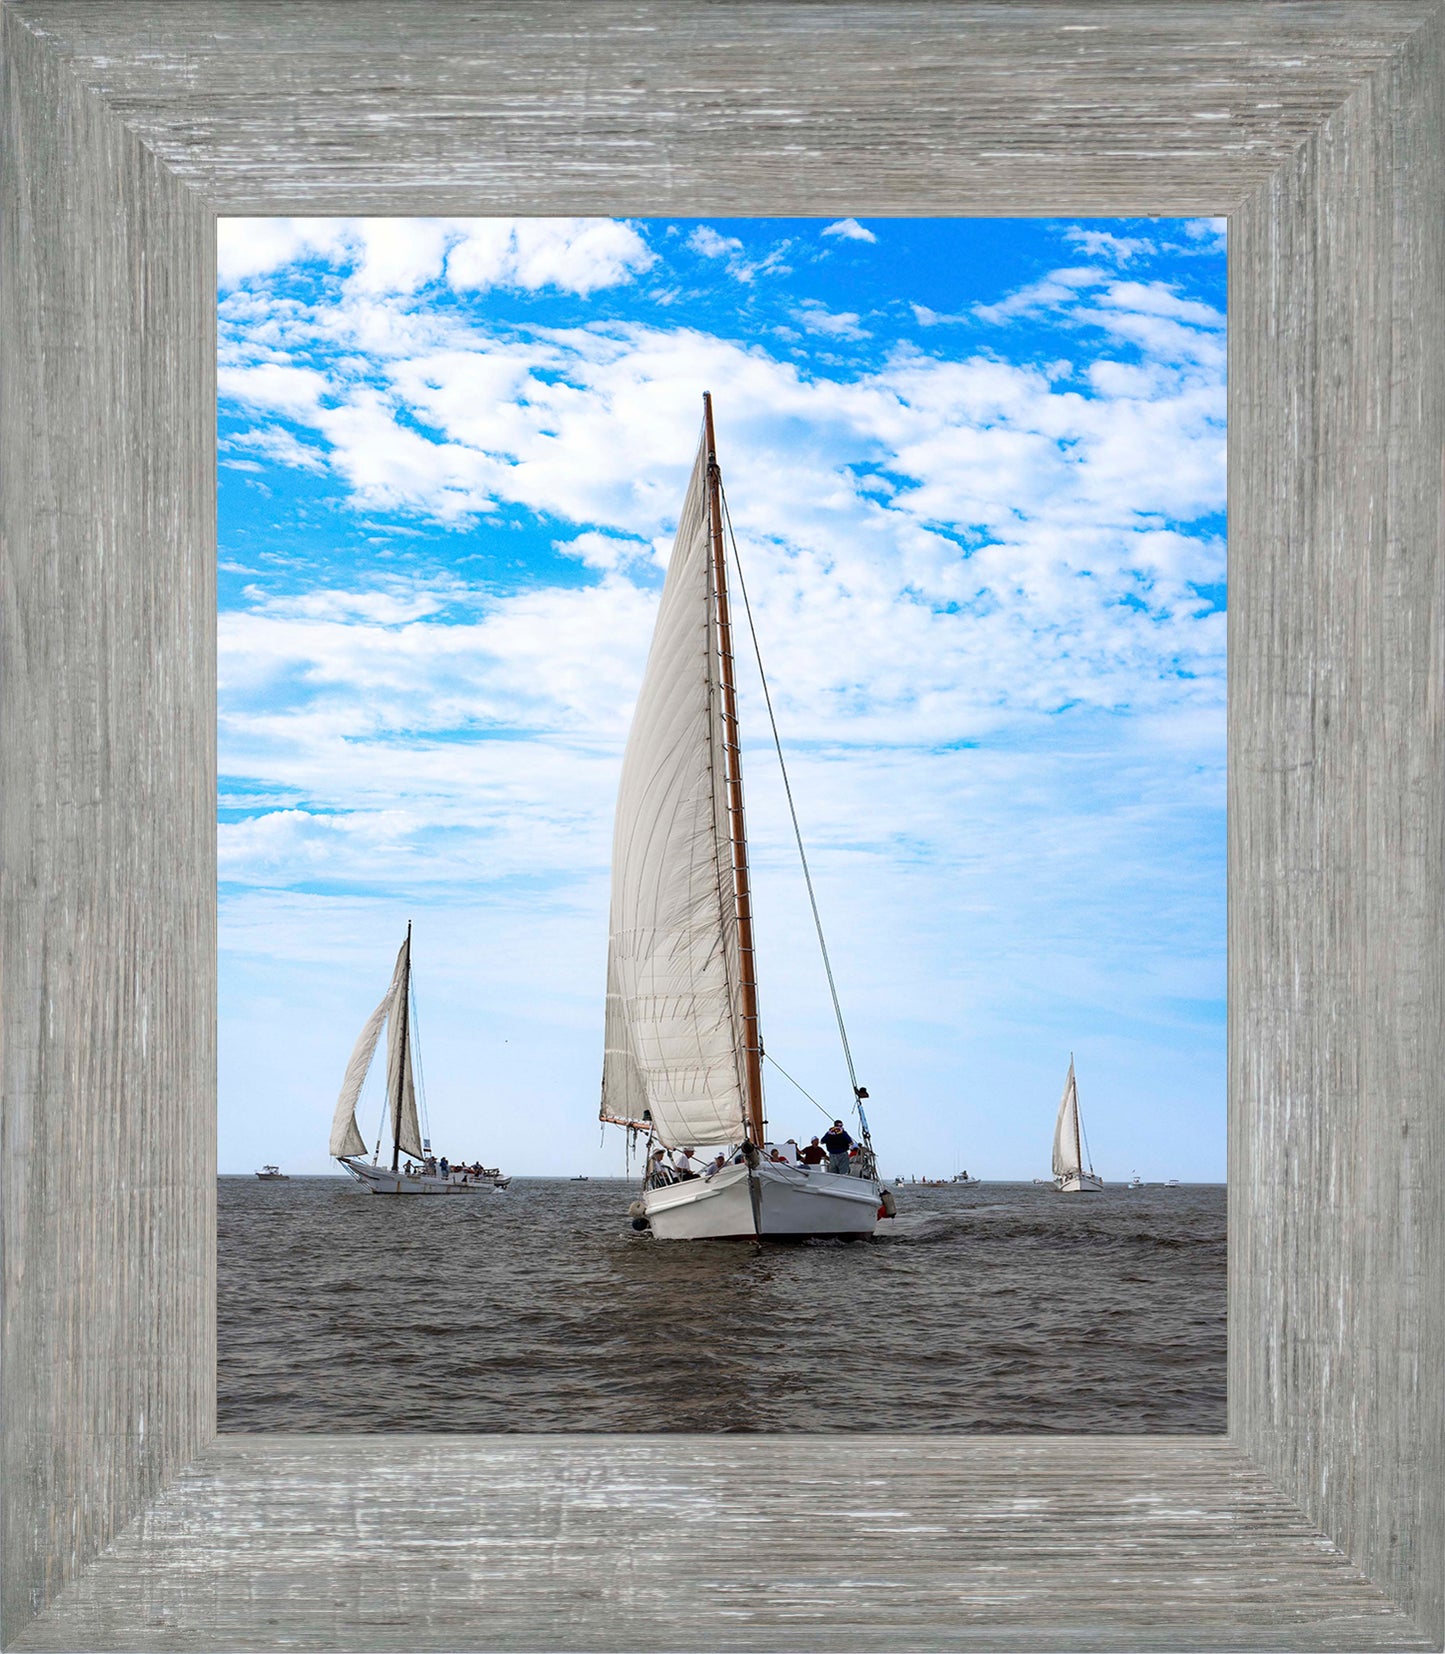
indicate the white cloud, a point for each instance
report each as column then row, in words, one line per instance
column 705, row 240
column 275, row 442
column 817, row 318
column 275, row 388
column 1058, row 287
column 849, row 229
column 400, row 255
column 604, row 551
column 1213, row 233
column 934, row 318
column 1101, row 244
column 249, row 247
column 574, row 255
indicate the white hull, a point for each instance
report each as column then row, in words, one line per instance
column 1080, row 1183
column 381, row 1180
column 789, row 1202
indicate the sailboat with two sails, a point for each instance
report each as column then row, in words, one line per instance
column 1070, row 1178
column 396, row 1013
column 684, row 1053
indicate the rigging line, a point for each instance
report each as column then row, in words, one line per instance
column 1079, row 1116
column 792, row 808
column 416, row 1060
column 769, row 1057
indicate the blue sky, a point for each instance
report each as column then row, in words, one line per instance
column 976, row 470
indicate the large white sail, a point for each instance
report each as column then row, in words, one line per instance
column 346, row 1136
column 1066, row 1131
column 405, row 1130
column 673, row 1032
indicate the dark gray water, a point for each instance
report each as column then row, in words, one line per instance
column 989, row 1307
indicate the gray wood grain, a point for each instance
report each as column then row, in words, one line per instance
column 107, row 896
column 808, row 1543
column 1337, row 843
column 784, row 106
column 1318, row 125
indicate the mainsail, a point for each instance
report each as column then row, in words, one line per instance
column 682, row 1050
column 346, row 1138
column 1068, row 1160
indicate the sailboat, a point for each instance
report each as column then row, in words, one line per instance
column 1070, row 1178
column 349, row 1146
column 683, row 1048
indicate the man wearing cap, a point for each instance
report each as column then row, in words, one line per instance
column 837, row 1142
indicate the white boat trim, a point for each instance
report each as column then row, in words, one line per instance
column 381, row 1180
column 1080, row 1183
column 790, row 1204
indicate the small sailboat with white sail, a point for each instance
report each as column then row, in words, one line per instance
column 684, row 1054
column 428, row 1176
column 1070, row 1178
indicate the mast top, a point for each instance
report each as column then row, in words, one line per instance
column 709, row 440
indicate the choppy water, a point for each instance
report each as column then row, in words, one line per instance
column 988, row 1307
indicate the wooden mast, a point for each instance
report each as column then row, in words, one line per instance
column 400, row 1098
column 732, row 757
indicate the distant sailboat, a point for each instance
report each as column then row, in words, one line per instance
column 347, row 1143
column 1070, row 1178
column 684, row 1054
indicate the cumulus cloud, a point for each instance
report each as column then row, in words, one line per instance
column 1101, row 244
column 849, row 229
column 401, row 255
column 706, row 240
column 247, row 247
column 1058, row 287
column 817, row 318
column 575, row 255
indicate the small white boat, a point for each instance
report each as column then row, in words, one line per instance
column 272, row 1174
column 1070, row 1178
column 1136, row 1182
column 402, row 1177
column 683, row 1049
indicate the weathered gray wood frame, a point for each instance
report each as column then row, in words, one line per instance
column 1317, row 127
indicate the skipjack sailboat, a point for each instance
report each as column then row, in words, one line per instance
column 428, row 1176
column 1070, row 1178
column 684, row 1055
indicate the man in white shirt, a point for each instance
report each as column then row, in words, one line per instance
column 682, row 1163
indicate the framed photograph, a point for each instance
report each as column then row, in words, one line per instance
column 1318, row 131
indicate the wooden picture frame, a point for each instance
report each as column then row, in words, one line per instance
column 1318, row 127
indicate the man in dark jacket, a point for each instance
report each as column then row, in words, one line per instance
column 837, row 1142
